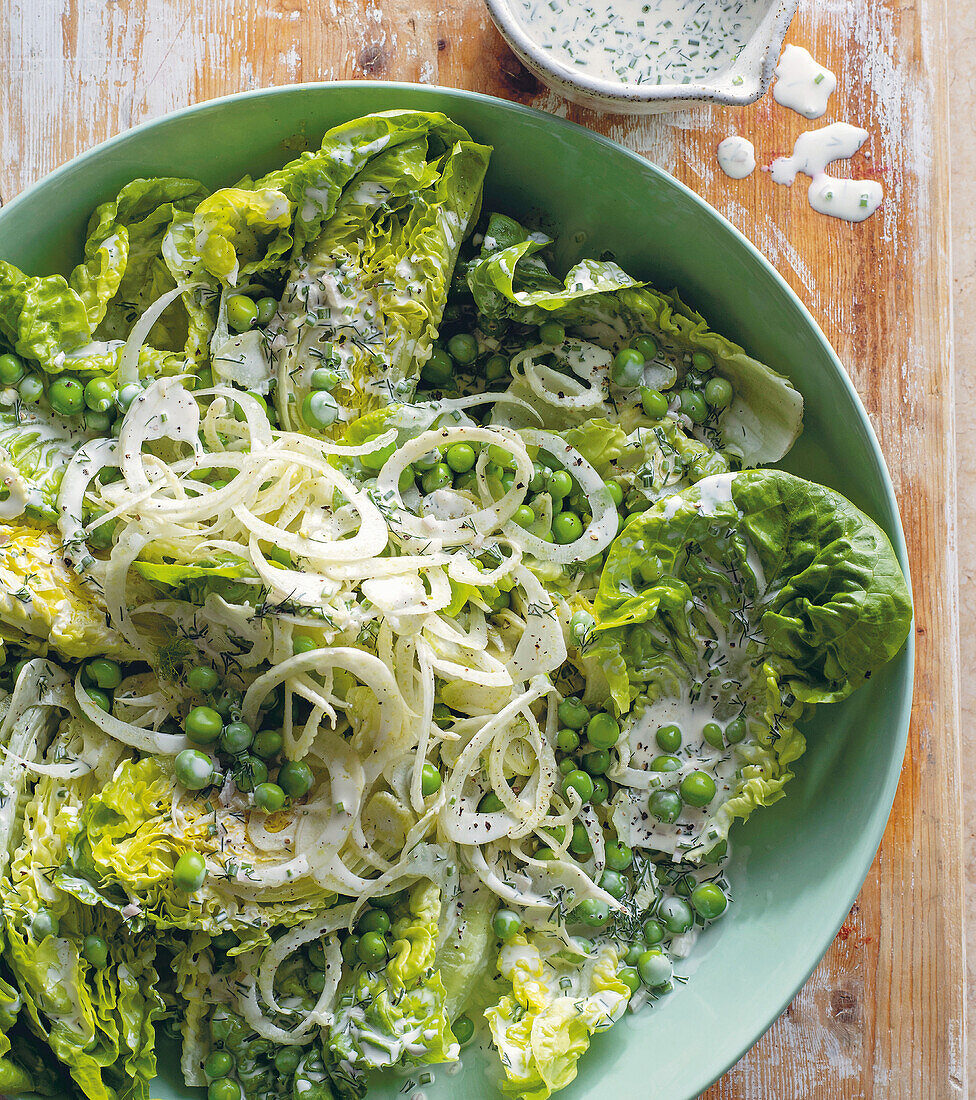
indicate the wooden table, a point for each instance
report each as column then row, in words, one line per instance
column 882, row 1015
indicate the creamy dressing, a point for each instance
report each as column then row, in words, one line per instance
column 642, row 41
column 851, row 200
column 802, row 84
column 737, row 157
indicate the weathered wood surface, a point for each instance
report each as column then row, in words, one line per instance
column 883, row 1014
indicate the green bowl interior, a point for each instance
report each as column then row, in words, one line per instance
column 798, row 866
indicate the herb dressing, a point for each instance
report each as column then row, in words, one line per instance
column 642, row 41
column 802, row 84
column 737, row 157
column 850, row 200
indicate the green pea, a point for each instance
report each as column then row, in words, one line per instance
column 654, row 403
column 490, row 804
column 250, row 772
column 579, row 843
column 601, row 791
column 371, row 949
column 597, row 761
column 567, row 765
column 100, row 699
column 496, row 367
column 430, row 780
column 236, row 737
column 224, row 1088
column 544, row 853
column 269, row 797
column 103, row 673
column 539, row 475
column 665, row 806
column 630, row 977
column 684, row 885
column 373, row 920
column 324, row 378
column 463, row 348
column 99, row 422
column 619, row 856
column 202, row 678
column 646, row 345
column 702, row 362
column 709, row 900
column 228, row 703
column 190, row 872
column 573, row 714
column 320, row 409
column 350, row 950
column 44, row 924
column 593, row 912
column 567, row 740
column 603, row 731
column 127, row 394
column 616, row 492
column 551, row 333
column 302, row 643
column 666, row 763
column 697, row 789
column 31, row 389
column 99, row 394
column 267, row 744
column 736, row 731
column 718, row 393
column 652, row 931
column 461, row 457
column 634, row 952
column 627, row 368
column 194, row 769
column 506, row 924
column 668, row 738
column 712, row 733
column 524, row 516
column 614, row 883
column 566, row 527
column 693, row 406
column 219, row 1063
column 508, row 483
column 95, row 950
column 67, row 396
column 203, row 725
column 559, row 484
column 579, row 782
column 438, row 477
column 439, row 368
column 241, row 312
column 295, row 778
column 463, row 1030
column 655, row 968
column 676, row 915
column 12, row 369
column 266, row 309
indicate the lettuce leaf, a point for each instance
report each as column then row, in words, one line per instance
column 98, row 1021
column 765, row 416
column 368, row 296
column 798, row 591
column 543, row 1027
column 398, row 1016
column 241, row 232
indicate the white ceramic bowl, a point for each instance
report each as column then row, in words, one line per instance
column 743, row 82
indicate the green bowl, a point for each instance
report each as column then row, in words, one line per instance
column 798, row 866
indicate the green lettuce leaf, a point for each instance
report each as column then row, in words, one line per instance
column 41, row 317
column 241, row 232
column 543, row 1027
column 398, row 1016
column 97, row 1020
column 741, row 599
column 368, row 296
column 608, row 306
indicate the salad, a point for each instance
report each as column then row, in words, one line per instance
column 392, row 631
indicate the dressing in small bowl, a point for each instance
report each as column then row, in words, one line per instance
column 647, row 56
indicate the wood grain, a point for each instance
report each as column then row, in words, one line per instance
column 883, row 1015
